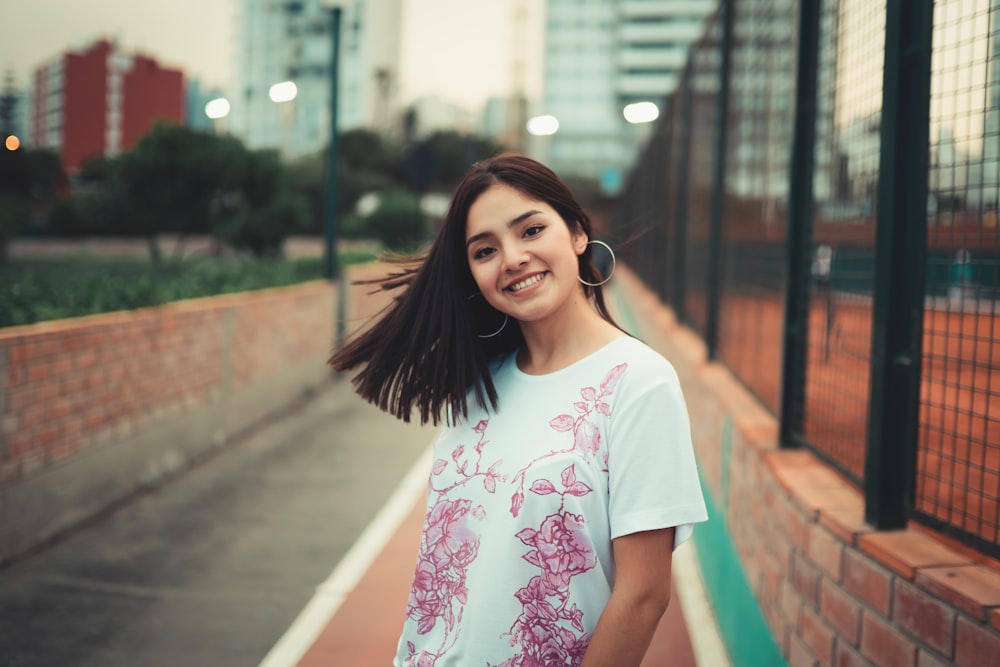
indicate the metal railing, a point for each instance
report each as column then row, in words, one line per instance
column 819, row 200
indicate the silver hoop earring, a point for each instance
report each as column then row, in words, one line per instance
column 503, row 325
column 614, row 263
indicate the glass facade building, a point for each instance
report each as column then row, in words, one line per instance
column 289, row 40
column 601, row 55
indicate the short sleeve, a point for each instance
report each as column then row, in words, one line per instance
column 653, row 476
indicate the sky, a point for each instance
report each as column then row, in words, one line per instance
column 458, row 50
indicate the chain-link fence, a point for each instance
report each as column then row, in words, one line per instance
column 819, row 201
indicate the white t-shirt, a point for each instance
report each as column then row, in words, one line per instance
column 515, row 563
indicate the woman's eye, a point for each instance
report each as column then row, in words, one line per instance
column 482, row 253
column 533, row 230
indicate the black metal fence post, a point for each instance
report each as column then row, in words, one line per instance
column 683, row 167
column 799, row 223
column 900, row 253
column 717, row 205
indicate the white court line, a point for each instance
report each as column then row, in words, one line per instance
column 331, row 593
column 706, row 640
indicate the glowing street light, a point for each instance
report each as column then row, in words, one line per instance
column 543, row 126
column 12, row 142
column 283, row 92
column 217, row 109
column 641, row 112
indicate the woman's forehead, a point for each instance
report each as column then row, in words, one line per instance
column 501, row 206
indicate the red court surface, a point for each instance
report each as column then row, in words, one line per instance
column 958, row 437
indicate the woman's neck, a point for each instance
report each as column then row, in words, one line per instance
column 557, row 342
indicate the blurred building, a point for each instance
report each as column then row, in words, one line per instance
column 987, row 195
column 495, row 118
column 289, row 40
column 12, row 110
column 429, row 114
column 600, row 56
column 100, row 101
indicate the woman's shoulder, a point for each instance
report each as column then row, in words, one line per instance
column 640, row 365
column 638, row 354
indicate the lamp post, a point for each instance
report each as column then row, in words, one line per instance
column 541, row 129
column 640, row 115
column 283, row 94
column 331, row 264
column 217, row 110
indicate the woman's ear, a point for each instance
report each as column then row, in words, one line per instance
column 580, row 239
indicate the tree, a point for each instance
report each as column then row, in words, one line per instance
column 306, row 178
column 397, row 221
column 173, row 180
column 30, row 182
column 440, row 160
column 366, row 163
column 261, row 212
column 13, row 216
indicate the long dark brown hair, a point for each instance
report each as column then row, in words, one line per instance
column 425, row 350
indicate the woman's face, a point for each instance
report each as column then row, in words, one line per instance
column 522, row 254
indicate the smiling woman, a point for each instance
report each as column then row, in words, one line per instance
column 525, row 261
column 565, row 474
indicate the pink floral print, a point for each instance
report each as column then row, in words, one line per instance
column 447, row 548
column 549, row 630
column 586, row 434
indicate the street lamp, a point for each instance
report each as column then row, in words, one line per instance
column 641, row 112
column 542, row 128
column 331, row 265
column 640, row 115
column 283, row 94
column 285, row 91
column 217, row 110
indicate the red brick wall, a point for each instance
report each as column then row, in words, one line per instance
column 70, row 385
column 833, row 591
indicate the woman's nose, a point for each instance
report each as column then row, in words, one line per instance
column 515, row 257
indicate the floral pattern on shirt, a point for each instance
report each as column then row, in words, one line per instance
column 448, row 546
column 549, row 630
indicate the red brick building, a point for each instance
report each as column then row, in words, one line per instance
column 101, row 101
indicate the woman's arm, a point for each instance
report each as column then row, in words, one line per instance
column 638, row 600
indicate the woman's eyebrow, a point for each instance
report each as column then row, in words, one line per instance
column 521, row 218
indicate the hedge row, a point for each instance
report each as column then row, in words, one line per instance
column 40, row 289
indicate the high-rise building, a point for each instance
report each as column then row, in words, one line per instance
column 13, row 107
column 289, row 40
column 600, row 56
column 989, row 195
column 100, row 101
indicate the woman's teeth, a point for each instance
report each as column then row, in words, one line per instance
column 527, row 282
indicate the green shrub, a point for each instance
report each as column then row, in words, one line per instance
column 397, row 222
column 36, row 290
column 13, row 216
